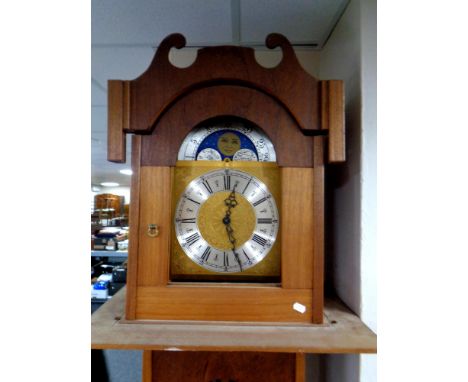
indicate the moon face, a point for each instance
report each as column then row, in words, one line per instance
column 229, row 144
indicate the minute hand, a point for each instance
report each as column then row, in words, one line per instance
column 231, row 202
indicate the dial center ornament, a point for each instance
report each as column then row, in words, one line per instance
column 211, row 220
column 226, row 220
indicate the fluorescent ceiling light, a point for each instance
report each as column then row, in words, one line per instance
column 126, row 171
column 109, row 184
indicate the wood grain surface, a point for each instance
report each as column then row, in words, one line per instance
column 341, row 332
column 220, row 302
column 297, row 230
column 162, row 83
column 318, row 229
column 333, row 118
column 155, row 208
column 300, row 367
column 223, row 367
column 293, row 148
column 134, row 229
column 117, row 99
column 105, row 201
column 147, row 366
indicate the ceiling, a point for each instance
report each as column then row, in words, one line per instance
column 126, row 33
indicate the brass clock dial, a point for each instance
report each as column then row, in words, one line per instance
column 226, row 220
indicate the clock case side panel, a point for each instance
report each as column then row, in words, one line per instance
column 155, row 210
column 318, row 216
column 134, row 224
column 148, row 262
column 302, row 229
column 297, row 230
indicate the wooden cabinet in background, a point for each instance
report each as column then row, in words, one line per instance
column 108, row 203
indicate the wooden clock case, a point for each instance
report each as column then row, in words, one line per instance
column 303, row 117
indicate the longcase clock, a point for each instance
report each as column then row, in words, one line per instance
column 227, row 207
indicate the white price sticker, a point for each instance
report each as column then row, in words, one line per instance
column 299, row 307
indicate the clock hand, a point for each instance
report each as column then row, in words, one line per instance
column 231, row 202
column 232, row 240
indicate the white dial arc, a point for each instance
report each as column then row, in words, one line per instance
column 245, row 155
column 263, row 145
column 198, row 248
column 208, row 154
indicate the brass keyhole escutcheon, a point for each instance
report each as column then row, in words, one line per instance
column 153, row 230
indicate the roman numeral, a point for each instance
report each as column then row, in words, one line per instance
column 206, row 254
column 259, row 201
column 259, row 240
column 207, row 186
column 192, row 239
column 188, row 220
column 247, row 185
column 193, row 201
column 227, row 182
column 226, row 259
column 264, row 220
column 247, row 257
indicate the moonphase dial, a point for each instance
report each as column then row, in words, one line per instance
column 201, row 227
column 232, row 140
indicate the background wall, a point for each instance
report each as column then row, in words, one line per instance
column 350, row 54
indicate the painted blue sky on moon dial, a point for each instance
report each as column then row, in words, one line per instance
column 211, row 141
